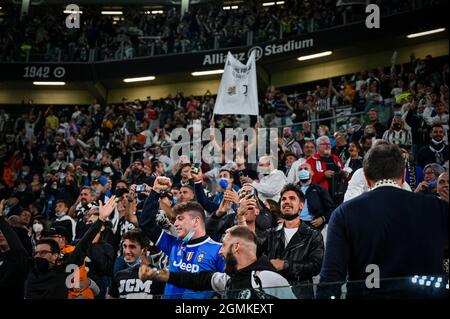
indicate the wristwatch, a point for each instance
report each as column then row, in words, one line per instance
column 286, row 265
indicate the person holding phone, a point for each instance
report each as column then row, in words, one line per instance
column 431, row 173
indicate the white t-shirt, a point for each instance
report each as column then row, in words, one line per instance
column 288, row 234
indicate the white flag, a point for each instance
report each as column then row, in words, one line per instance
column 238, row 92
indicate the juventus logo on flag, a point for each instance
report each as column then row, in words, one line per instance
column 238, row 91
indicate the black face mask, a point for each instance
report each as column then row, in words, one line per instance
column 41, row 264
column 396, row 126
column 230, row 263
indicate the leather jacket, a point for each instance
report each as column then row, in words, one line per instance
column 303, row 254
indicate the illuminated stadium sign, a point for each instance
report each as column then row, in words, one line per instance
column 267, row 50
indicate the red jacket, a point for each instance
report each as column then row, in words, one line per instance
column 319, row 167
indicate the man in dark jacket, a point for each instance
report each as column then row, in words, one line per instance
column 295, row 249
column 436, row 151
column 14, row 260
column 318, row 203
column 384, row 227
column 49, row 276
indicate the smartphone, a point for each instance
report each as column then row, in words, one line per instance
column 140, row 188
column 432, row 184
column 196, row 168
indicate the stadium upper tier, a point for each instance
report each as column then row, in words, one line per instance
column 136, row 31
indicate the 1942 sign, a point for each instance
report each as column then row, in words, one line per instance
column 43, row 72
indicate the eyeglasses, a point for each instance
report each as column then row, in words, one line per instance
column 42, row 252
column 326, row 144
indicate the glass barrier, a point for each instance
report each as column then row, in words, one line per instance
column 414, row 287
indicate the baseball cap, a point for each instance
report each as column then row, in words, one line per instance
column 56, row 231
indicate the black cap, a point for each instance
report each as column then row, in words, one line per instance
column 56, row 230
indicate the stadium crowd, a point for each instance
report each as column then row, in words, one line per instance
column 94, row 186
column 43, row 35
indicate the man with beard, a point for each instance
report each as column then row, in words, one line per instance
column 436, row 151
column 295, row 249
column 271, row 180
column 84, row 203
column 245, row 277
column 192, row 250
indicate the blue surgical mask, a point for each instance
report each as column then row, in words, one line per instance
column 188, row 236
column 303, row 175
column 223, row 182
column 419, row 115
column 137, row 262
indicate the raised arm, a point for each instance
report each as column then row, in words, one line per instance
column 147, row 220
column 78, row 255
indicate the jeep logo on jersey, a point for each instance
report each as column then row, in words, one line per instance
column 258, row 52
column 186, row 266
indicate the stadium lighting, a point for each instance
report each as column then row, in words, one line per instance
column 69, row 12
column 280, row 2
column 314, row 56
column 226, row 8
column 211, row 72
column 48, row 83
column 157, row 12
column 268, row 4
column 112, row 12
column 144, row 78
column 421, row 34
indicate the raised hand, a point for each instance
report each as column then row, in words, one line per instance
column 106, row 210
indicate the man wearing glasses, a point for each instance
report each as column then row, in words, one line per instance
column 50, row 277
column 323, row 163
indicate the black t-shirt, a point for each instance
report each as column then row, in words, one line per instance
column 127, row 285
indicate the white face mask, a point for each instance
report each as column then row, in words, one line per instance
column 37, row 228
column 59, row 214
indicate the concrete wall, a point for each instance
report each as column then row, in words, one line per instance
column 45, row 96
column 158, row 91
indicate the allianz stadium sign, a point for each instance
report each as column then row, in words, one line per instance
column 260, row 51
